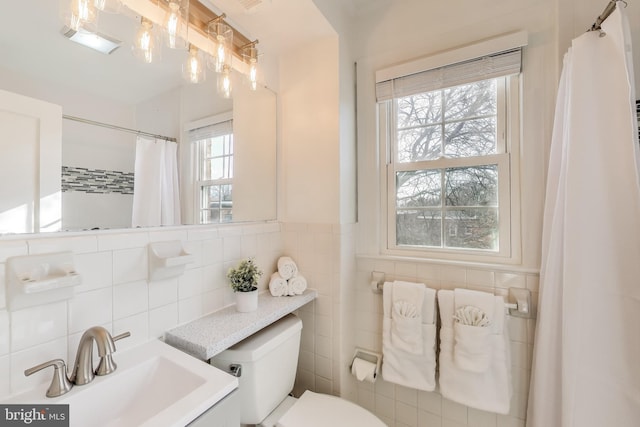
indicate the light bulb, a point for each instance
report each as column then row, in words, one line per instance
column 250, row 54
column 253, row 75
column 82, row 12
column 221, row 36
column 220, row 54
column 109, row 6
column 192, row 69
column 144, row 43
column 224, row 83
column 175, row 25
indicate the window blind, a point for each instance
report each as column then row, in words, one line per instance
column 211, row 131
column 487, row 67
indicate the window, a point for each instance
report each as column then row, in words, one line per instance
column 214, row 171
column 449, row 136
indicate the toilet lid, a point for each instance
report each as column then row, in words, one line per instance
column 322, row 410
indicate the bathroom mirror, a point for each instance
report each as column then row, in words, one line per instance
column 38, row 61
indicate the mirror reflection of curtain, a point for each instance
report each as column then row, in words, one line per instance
column 156, row 198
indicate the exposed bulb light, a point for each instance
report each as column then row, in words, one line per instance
column 224, row 83
column 221, row 37
column 250, row 55
column 193, row 70
column 175, row 23
column 80, row 14
column 109, row 6
column 144, row 45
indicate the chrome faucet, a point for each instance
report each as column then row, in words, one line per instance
column 83, row 372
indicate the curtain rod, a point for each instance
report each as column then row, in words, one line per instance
column 604, row 15
column 120, row 128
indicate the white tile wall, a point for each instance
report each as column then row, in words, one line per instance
column 116, row 294
column 402, row 407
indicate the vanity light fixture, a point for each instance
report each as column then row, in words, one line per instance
column 193, row 70
column 250, row 56
column 221, row 39
column 145, row 46
column 176, row 23
column 96, row 41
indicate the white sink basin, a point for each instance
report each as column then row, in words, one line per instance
column 154, row 385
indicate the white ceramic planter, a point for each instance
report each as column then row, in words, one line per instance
column 247, row 301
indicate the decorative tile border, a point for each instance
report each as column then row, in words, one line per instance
column 96, row 181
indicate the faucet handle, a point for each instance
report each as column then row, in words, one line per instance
column 60, row 384
column 107, row 364
column 122, row 335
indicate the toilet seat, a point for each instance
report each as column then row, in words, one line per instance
column 322, row 410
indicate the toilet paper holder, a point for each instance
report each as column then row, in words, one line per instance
column 369, row 356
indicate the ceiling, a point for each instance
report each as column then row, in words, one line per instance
column 31, row 45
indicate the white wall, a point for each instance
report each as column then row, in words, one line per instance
column 309, row 113
column 451, row 25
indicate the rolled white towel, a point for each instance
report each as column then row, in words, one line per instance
column 278, row 286
column 297, row 285
column 287, row 267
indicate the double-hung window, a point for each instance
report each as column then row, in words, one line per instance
column 213, row 148
column 449, row 136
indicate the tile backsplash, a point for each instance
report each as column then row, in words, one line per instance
column 116, row 293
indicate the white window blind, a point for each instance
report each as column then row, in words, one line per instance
column 211, row 131
column 487, row 67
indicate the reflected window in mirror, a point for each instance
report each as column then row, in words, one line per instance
column 214, row 160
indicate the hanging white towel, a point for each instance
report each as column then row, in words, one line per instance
column 406, row 316
column 489, row 390
column 472, row 335
column 414, row 369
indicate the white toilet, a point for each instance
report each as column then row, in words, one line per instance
column 269, row 359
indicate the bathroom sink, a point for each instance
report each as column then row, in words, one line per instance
column 154, row 385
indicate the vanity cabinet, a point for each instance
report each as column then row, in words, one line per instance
column 225, row 413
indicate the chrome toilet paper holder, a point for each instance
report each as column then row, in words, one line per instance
column 369, row 356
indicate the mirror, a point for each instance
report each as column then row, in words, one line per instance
column 118, row 89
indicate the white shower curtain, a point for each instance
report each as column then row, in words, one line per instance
column 586, row 366
column 156, row 198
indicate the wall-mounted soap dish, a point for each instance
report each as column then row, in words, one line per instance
column 167, row 259
column 40, row 279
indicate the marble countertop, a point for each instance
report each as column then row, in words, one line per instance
column 205, row 337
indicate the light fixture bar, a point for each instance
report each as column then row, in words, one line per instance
column 200, row 16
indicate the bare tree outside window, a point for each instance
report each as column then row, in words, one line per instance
column 447, row 207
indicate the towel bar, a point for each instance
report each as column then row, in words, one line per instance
column 520, row 308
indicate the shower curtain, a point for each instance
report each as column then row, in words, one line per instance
column 586, row 365
column 156, row 198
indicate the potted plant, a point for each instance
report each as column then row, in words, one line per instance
column 244, row 282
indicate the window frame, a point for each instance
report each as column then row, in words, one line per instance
column 196, row 166
column 507, row 159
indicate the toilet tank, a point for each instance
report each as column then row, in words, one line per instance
column 269, row 360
